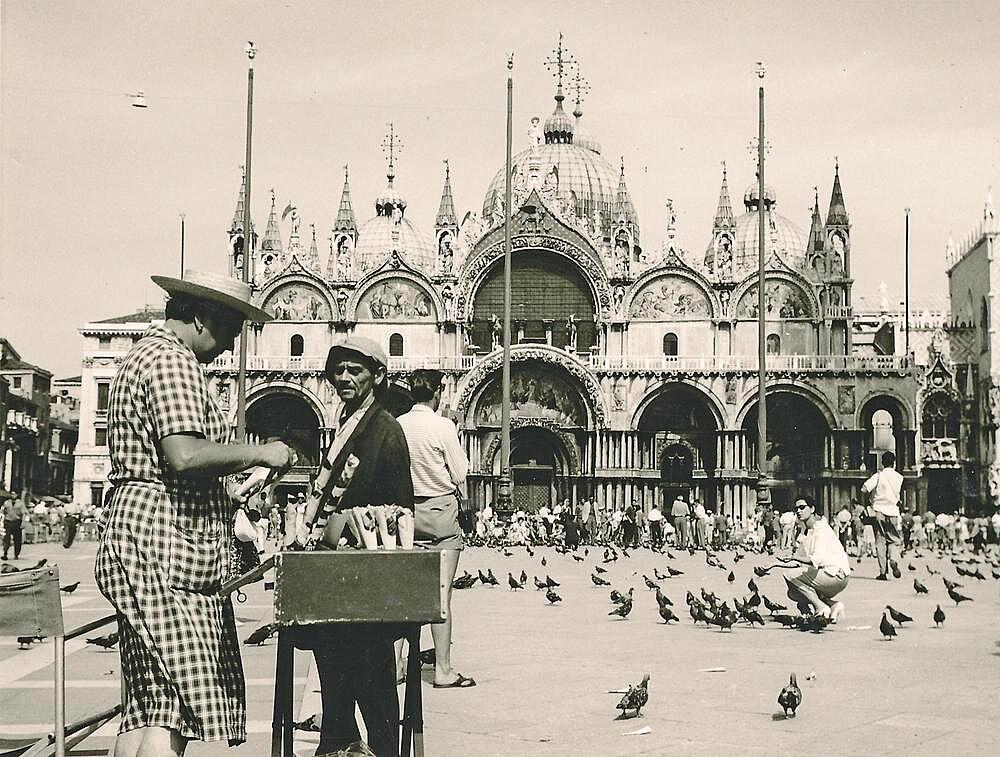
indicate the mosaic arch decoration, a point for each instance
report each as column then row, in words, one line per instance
column 569, row 444
column 807, row 392
column 536, row 392
column 545, row 355
column 782, row 299
column 298, row 301
column 395, row 299
column 669, row 298
column 476, row 269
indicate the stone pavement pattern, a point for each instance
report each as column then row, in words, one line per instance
column 544, row 671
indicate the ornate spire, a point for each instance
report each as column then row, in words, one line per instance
column 581, row 137
column 446, row 210
column 623, row 202
column 390, row 200
column 950, row 251
column 558, row 127
column 237, row 225
column 724, row 217
column 312, row 257
column 272, row 234
column 345, row 213
column 816, row 241
column 837, row 214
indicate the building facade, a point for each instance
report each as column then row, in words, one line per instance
column 26, row 437
column 634, row 370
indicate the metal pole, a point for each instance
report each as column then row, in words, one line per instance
column 182, row 245
column 241, row 376
column 906, row 282
column 60, row 696
column 505, row 475
column 763, row 495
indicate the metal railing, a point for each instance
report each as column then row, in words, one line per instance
column 749, row 363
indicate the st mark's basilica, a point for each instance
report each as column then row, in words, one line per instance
column 634, row 370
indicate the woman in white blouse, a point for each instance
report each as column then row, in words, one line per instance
column 827, row 567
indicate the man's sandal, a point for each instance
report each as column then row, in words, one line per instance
column 459, row 683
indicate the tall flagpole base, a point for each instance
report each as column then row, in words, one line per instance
column 763, row 492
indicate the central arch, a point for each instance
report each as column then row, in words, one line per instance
column 289, row 417
column 681, row 426
column 546, row 290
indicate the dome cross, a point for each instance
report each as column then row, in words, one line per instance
column 560, row 63
column 392, row 145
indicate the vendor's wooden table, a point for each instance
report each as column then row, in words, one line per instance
column 402, row 587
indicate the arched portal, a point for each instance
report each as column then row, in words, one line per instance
column 286, row 416
column 884, row 420
column 681, row 430
column 796, row 438
column 546, row 290
column 538, row 461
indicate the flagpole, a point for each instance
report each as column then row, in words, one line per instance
column 182, row 245
column 763, row 493
column 505, row 474
column 241, row 376
column 906, row 282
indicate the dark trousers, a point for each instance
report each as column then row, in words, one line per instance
column 12, row 532
column 363, row 673
column 656, row 533
column 70, row 523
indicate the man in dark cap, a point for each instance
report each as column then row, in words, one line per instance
column 357, row 665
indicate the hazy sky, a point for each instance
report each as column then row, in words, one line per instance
column 906, row 94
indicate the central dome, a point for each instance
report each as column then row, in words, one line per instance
column 582, row 177
column 781, row 235
column 390, row 230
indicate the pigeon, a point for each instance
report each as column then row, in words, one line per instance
column 491, row 577
column 528, row 550
column 659, row 576
column 483, row 579
column 543, row 562
column 513, row 582
column 674, row 572
column 790, row 697
column 465, row 581
column 578, row 558
column 508, row 553
column 754, row 601
column 649, row 584
column 888, row 629
column 786, row 620
column 697, row 612
column 899, row 617
column 598, row 581
column 752, row 616
column 69, row 588
column 950, row 585
column 636, row 697
column 958, row 598
column 661, row 599
column 550, row 582
column 540, row 585
column 909, row 566
column 599, row 569
column 938, row 617
column 919, row 587
column 623, row 609
column 625, row 552
column 731, row 577
column 24, row 642
column 670, row 555
column 260, row 635
column 773, row 607
column 752, row 586
column 524, row 577
column 932, row 571
column 311, row 723
column 667, row 614
column 552, row 597
column 105, row 642
column 760, row 572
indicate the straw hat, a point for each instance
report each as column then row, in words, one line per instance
column 215, row 287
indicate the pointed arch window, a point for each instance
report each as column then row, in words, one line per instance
column 773, row 344
column 396, row 345
column 670, row 344
column 297, row 346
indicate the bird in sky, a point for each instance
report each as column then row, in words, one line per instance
column 888, row 629
column 636, row 697
column 790, row 697
column 939, row 617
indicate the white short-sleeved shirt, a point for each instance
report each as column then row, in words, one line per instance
column 822, row 548
column 885, row 487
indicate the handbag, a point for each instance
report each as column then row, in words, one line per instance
column 243, row 556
